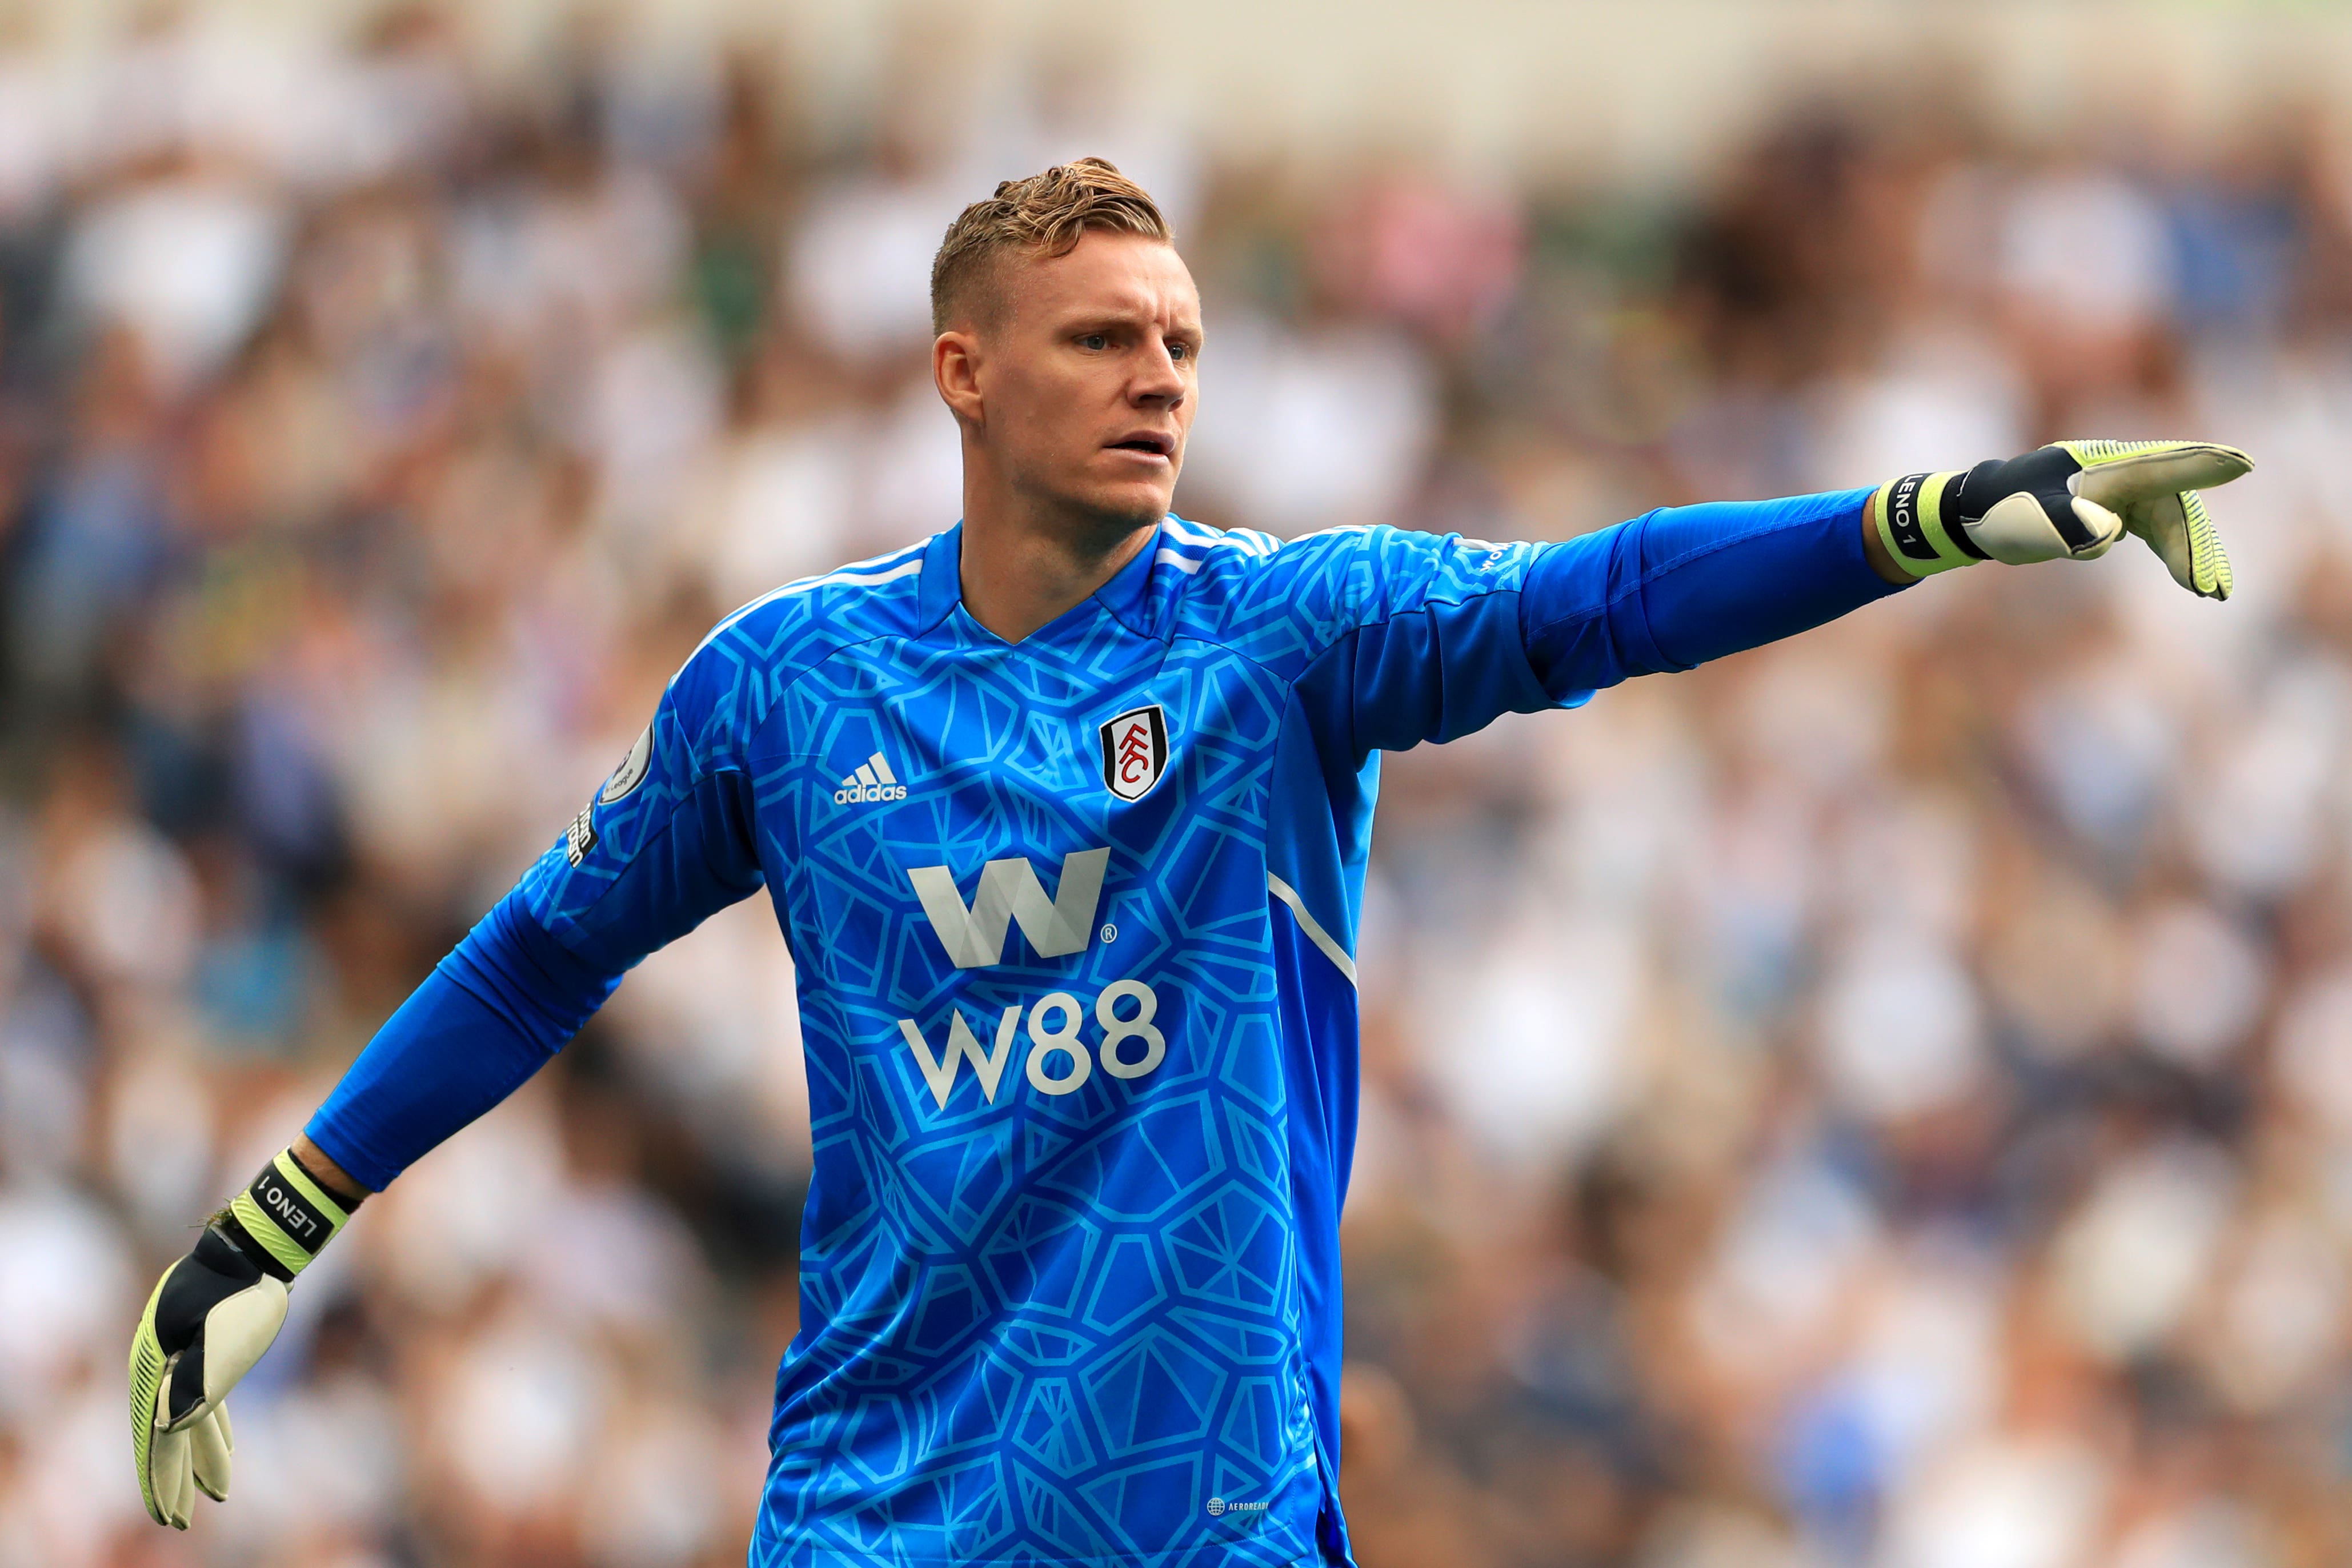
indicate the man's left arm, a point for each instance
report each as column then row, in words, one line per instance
column 1676, row 587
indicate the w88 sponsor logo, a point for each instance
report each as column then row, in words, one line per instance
column 1059, row 1061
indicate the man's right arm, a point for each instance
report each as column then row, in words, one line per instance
column 486, row 1018
column 492, row 1013
column 667, row 842
column 332, row 1177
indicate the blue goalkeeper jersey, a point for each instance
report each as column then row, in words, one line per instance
column 1074, row 919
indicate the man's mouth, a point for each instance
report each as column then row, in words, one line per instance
column 1151, row 442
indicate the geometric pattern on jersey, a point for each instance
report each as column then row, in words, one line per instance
column 1081, row 1069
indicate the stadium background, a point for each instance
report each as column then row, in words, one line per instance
column 1882, row 1101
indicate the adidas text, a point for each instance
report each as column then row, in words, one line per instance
column 872, row 783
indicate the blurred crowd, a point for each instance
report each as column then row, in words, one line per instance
column 1882, row 1102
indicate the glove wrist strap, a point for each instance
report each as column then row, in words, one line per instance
column 288, row 1214
column 1914, row 525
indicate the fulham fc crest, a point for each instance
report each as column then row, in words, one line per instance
column 1135, row 751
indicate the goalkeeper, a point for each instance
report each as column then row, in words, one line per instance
column 1065, row 813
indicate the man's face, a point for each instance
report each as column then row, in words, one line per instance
column 1085, row 377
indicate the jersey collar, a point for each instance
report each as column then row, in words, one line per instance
column 941, row 582
column 1127, row 596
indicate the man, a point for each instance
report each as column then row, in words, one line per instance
column 1065, row 813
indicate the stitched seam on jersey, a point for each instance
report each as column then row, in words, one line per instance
column 776, row 705
column 645, row 844
column 1636, row 608
column 1290, row 683
column 1163, row 638
column 831, row 654
column 1286, row 682
column 751, row 737
column 922, row 629
column 1673, row 563
column 1426, row 601
column 1319, row 653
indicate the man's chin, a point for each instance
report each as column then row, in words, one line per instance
column 1120, row 508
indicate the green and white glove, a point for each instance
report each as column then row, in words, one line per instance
column 2070, row 501
column 211, row 1316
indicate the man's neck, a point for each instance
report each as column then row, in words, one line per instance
column 1019, row 572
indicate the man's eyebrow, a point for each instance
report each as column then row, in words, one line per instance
column 1106, row 313
column 1089, row 321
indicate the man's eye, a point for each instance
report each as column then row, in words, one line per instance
column 1179, row 350
column 1095, row 340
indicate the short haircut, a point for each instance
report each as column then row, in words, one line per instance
column 1044, row 214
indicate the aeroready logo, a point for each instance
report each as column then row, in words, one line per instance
column 872, row 782
column 1010, row 895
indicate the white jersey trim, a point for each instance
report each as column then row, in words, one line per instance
column 1194, row 535
column 865, row 574
column 1314, row 933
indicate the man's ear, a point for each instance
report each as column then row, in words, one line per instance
column 955, row 370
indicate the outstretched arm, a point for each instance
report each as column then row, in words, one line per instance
column 1674, row 588
column 1677, row 586
column 1449, row 633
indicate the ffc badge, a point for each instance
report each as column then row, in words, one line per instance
column 1135, row 751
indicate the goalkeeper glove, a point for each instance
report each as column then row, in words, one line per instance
column 211, row 1316
column 2074, row 499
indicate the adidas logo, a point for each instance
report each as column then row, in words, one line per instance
column 872, row 782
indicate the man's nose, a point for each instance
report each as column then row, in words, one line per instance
column 1157, row 380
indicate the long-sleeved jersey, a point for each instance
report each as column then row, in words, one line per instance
column 1073, row 919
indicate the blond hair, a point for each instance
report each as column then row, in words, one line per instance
column 1044, row 214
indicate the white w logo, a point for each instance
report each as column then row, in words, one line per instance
column 1009, row 892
